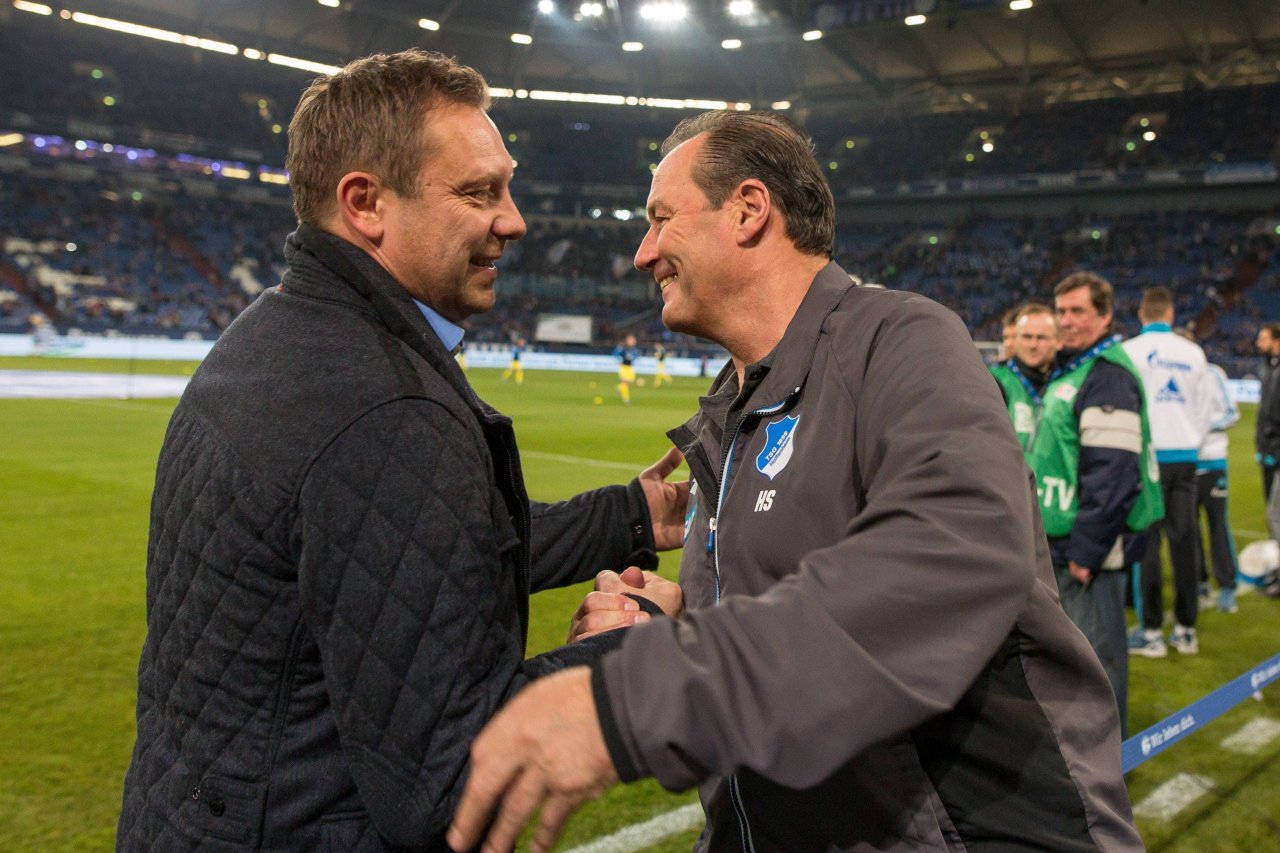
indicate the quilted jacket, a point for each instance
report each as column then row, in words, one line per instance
column 340, row 559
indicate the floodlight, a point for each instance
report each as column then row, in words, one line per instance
column 428, row 24
column 1020, row 5
column 154, row 33
column 632, row 46
column 1149, row 136
column 742, row 8
column 546, row 7
column 812, row 35
column 522, row 38
column 780, row 105
column 591, row 10
column 664, row 11
column 301, row 64
column 731, row 44
column 37, row 8
column 332, row 4
column 914, row 20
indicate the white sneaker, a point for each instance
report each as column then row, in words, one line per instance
column 1147, row 644
column 1184, row 640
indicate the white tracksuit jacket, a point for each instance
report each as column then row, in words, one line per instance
column 1176, row 382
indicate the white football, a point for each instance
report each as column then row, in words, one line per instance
column 1259, row 558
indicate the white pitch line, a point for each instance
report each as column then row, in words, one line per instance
column 641, row 835
column 51, row 384
column 1252, row 736
column 579, row 460
column 1173, row 796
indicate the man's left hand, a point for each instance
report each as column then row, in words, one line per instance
column 667, row 501
column 544, row 749
column 1079, row 572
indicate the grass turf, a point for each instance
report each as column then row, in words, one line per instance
column 75, row 482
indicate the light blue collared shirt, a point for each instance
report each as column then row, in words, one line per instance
column 450, row 334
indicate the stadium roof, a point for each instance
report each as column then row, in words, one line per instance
column 965, row 54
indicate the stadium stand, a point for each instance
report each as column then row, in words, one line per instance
column 145, row 162
column 92, row 258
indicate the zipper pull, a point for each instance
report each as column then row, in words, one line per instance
column 711, row 535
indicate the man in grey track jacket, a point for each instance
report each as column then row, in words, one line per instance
column 874, row 657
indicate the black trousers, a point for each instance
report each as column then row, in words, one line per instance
column 1211, row 500
column 1268, row 474
column 1178, row 484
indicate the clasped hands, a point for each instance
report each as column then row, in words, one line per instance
column 611, row 605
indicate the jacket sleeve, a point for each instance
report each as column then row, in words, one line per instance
column 405, row 592
column 876, row 633
column 1223, row 412
column 1109, row 477
column 1268, row 427
column 607, row 528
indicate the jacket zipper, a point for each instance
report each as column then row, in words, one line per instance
column 713, row 548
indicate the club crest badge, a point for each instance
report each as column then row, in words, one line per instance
column 779, row 444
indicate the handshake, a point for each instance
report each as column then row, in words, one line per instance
column 623, row 600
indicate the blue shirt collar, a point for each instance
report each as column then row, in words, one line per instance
column 1157, row 327
column 450, row 334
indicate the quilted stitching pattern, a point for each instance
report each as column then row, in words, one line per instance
column 419, row 579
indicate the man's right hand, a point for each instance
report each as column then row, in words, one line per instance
column 609, row 607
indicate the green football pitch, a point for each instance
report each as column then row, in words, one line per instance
column 75, row 483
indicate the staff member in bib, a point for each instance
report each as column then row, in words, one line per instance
column 1022, row 378
column 1095, row 470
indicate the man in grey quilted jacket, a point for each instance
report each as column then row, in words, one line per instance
column 342, row 548
column 873, row 657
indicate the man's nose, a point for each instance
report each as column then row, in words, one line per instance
column 509, row 224
column 647, row 254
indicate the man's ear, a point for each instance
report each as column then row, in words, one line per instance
column 752, row 208
column 362, row 204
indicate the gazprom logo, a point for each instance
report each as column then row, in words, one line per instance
column 1154, row 360
column 778, row 446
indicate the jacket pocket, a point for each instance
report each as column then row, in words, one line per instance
column 349, row 832
column 229, row 809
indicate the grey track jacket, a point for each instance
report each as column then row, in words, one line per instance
column 887, row 667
